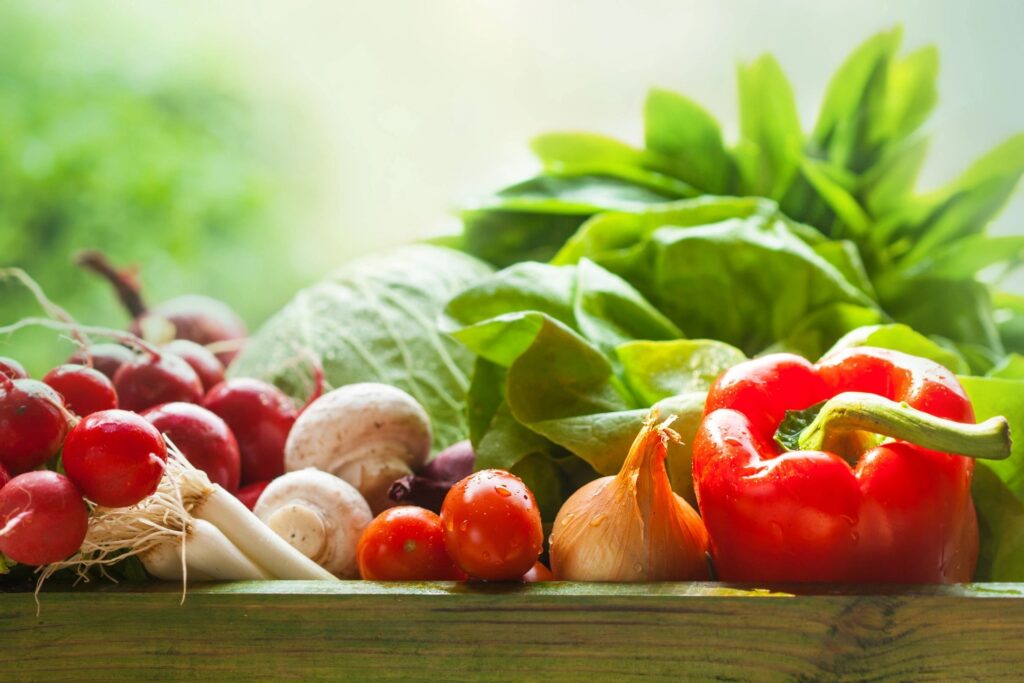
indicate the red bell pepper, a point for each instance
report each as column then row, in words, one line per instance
column 900, row 512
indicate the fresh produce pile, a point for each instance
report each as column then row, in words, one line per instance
column 768, row 362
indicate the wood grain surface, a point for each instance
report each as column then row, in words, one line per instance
column 292, row 630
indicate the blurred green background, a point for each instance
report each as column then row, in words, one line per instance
column 158, row 159
column 242, row 149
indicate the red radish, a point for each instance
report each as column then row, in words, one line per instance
column 202, row 360
column 251, row 493
column 107, row 358
column 33, row 423
column 12, row 368
column 202, row 437
column 85, row 390
column 43, row 518
column 153, row 378
column 197, row 318
column 260, row 416
column 115, row 457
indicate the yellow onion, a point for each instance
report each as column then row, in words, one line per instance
column 631, row 526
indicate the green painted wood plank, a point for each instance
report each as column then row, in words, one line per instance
column 363, row 630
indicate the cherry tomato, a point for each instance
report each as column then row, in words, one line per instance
column 538, row 572
column 492, row 526
column 405, row 543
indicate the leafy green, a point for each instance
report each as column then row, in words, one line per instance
column 374, row 321
column 1000, row 527
column 959, row 310
column 151, row 156
column 1011, row 367
column 689, row 139
column 657, row 370
column 1008, row 312
column 570, row 359
column 990, row 397
column 747, row 281
column 998, row 486
column 967, row 204
column 852, row 115
column 849, row 181
column 532, row 219
column 770, row 135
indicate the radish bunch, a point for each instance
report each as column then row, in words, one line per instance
column 105, row 418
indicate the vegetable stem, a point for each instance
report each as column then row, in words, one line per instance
column 856, row 411
column 255, row 539
column 123, row 281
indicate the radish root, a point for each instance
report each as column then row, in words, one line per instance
column 52, row 309
column 228, row 540
column 126, row 338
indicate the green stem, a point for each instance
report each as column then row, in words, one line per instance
column 854, row 411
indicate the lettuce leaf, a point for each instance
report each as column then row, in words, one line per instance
column 749, row 280
column 998, row 486
column 849, row 180
column 570, row 360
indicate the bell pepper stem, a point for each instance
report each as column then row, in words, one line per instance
column 855, row 411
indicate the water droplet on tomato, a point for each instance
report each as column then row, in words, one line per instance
column 463, row 525
column 598, row 519
column 502, row 491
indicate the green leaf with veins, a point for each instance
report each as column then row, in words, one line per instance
column 575, row 379
column 746, row 281
column 657, row 370
column 374, row 320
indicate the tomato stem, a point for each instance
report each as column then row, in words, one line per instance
column 855, row 411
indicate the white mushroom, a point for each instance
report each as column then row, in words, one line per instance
column 368, row 434
column 319, row 515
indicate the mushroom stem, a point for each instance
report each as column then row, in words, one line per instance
column 372, row 469
column 303, row 528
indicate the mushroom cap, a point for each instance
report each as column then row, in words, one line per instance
column 319, row 514
column 369, row 434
